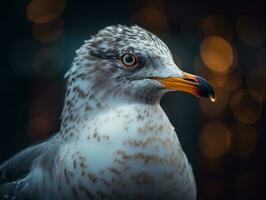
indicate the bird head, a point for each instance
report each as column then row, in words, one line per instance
column 132, row 62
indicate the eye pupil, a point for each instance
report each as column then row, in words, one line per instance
column 129, row 60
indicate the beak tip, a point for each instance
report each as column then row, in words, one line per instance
column 205, row 89
column 212, row 98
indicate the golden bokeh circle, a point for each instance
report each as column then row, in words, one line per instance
column 217, row 54
column 216, row 80
column 214, row 140
column 153, row 19
column 246, row 106
column 40, row 11
column 229, row 82
column 48, row 32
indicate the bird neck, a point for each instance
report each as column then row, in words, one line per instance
column 83, row 103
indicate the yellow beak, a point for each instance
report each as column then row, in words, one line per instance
column 189, row 83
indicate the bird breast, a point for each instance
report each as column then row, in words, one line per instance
column 128, row 150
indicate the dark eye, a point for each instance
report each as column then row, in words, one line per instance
column 129, row 60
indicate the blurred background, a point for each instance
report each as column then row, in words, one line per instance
column 223, row 41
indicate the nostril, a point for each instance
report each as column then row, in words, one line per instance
column 190, row 79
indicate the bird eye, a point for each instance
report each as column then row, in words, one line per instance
column 129, row 60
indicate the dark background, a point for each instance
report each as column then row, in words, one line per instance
column 224, row 141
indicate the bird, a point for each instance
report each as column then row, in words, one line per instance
column 114, row 141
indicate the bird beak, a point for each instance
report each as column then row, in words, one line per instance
column 189, row 83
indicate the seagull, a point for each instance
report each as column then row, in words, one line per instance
column 115, row 141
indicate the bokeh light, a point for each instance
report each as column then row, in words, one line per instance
column 244, row 139
column 229, row 133
column 256, row 82
column 48, row 61
column 43, row 11
column 48, row 32
column 42, row 113
column 229, row 81
column 246, row 106
column 217, row 25
column 217, row 54
column 215, row 109
column 214, row 140
column 251, row 30
column 152, row 18
column 216, row 80
column 40, row 126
